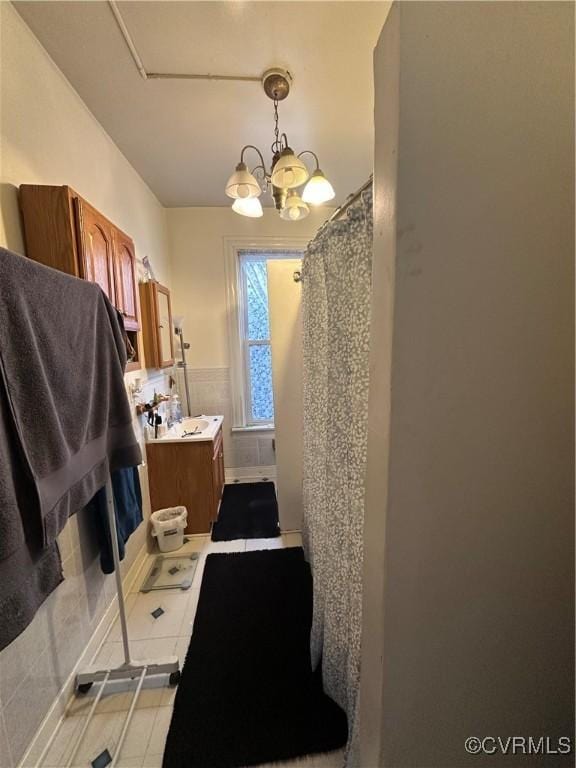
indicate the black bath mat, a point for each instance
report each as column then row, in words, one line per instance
column 247, row 694
column 247, row 511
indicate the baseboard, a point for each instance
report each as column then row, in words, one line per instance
column 249, row 474
column 51, row 723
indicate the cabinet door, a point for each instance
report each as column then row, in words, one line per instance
column 218, row 471
column 165, row 327
column 157, row 329
column 222, row 470
column 96, row 247
column 125, row 279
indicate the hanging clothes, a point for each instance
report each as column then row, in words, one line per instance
column 62, row 360
column 29, row 572
column 128, row 510
column 66, row 421
column 336, row 278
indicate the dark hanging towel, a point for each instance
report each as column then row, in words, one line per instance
column 128, row 509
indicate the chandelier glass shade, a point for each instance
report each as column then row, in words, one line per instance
column 242, row 183
column 287, row 170
column 248, row 206
column 294, row 208
column 318, row 190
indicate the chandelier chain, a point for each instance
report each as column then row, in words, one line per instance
column 276, row 144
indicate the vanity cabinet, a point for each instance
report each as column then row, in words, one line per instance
column 218, row 469
column 157, row 326
column 188, row 474
column 63, row 231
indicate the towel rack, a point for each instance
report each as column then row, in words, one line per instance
column 128, row 670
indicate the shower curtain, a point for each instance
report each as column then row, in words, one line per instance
column 336, row 318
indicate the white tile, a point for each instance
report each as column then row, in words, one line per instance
column 181, row 649
column 32, row 699
column 159, row 731
column 153, row 761
column 142, row 625
column 190, row 612
column 60, row 749
column 131, row 762
column 266, row 452
column 116, row 698
column 236, row 545
column 65, row 543
column 199, row 573
column 129, row 603
column 255, row 544
column 194, row 544
column 138, row 734
column 103, row 733
column 278, row 542
column 4, row 746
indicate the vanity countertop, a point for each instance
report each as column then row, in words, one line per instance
column 191, row 429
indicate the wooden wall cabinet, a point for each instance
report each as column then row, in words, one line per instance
column 63, row 231
column 96, row 251
column 157, row 326
column 125, row 279
column 188, row 474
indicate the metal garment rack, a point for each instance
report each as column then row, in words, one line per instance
column 130, row 669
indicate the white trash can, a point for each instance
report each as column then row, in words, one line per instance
column 168, row 526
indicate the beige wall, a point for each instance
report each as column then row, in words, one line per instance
column 285, row 297
column 197, row 253
column 197, row 246
column 48, row 136
column 469, row 523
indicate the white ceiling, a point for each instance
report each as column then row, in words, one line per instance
column 184, row 137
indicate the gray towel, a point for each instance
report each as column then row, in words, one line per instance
column 65, row 422
column 62, row 362
column 28, row 571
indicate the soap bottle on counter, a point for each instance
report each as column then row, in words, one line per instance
column 175, row 408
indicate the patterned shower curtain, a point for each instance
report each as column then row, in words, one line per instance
column 336, row 318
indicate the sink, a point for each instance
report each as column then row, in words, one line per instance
column 191, row 425
column 191, row 429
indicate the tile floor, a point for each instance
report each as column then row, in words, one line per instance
column 166, row 635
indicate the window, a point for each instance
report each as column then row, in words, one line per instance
column 256, row 326
column 251, row 355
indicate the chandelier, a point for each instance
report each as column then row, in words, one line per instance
column 287, row 173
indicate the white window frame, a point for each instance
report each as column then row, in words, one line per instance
column 236, row 311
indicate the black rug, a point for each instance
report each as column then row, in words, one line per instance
column 247, row 511
column 247, row 694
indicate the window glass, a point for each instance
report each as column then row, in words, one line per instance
column 262, row 400
column 256, row 279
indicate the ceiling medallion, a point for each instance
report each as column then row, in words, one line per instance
column 287, row 171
